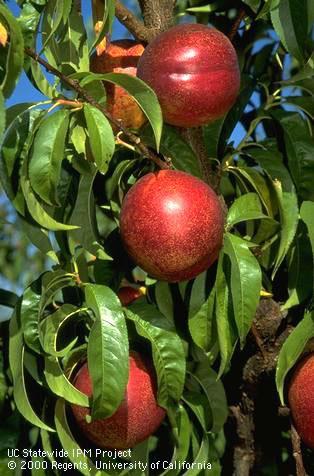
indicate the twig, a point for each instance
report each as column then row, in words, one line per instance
column 297, row 453
column 134, row 139
column 236, row 24
column 132, row 23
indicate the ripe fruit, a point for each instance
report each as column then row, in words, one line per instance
column 301, row 399
column 194, row 71
column 127, row 294
column 120, row 57
column 172, row 225
column 137, row 417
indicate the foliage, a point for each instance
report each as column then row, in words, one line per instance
column 65, row 171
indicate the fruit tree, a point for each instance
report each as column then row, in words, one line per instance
column 157, row 229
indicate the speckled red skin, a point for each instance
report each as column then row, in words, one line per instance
column 127, row 294
column 172, row 225
column 137, row 417
column 301, row 399
column 120, row 57
column 195, row 73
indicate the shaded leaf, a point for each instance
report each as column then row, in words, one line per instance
column 167, row 348
column 292, row 349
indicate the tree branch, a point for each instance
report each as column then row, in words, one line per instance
column 132, row 23
column 134, row 139
column 158, row 15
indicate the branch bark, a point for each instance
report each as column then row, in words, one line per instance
column 267, row 344
column 158, row 15
column 134, row 139
column 132, row 23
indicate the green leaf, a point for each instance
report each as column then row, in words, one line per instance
column 290, row 20
column 300, row 270
column 246, row 283
column 84, row 217
column 172, row 145
column 16, row 359
column 38, row 213
column 142, row 94
column 300, row 151
column 30, row 313
column 71, row 53
column 233, row 116
column 107, row 22
column 181, row 449
column 215, row 393
column 270, row 160
column 292, row 349
column 305, row 103
column 246, row 207
column 307, row 216
column 47, row 155
column 100, row 136
column 75, row 453
column 164, row 299
column 54, row 13
column 227, row 336
column 39, row 238
column 167, row 348
column 201, row 313
column 108, row 350
column 15, row 55
column 51, row 326
column 14, row 148
column 60, row 385
column 258, row 183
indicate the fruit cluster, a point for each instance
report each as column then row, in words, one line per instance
column 171, row 222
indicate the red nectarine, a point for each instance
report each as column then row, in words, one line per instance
column 137, row 417
column 194, row 71
column 301, row 399
column 172, row 225
column 120, row 57
column 127, row 294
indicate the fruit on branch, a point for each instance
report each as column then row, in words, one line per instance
column 195, row 73
column 138, row 416
column 172, row 225
column 127, row 294
column 120, row 57
column 301, row 399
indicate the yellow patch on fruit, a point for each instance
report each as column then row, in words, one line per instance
column 101, row 47
column 3, row 35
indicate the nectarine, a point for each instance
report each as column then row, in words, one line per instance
column 301, row 399
column 127, row 294
column 137, row 417
column 120, row 57
column 172, row 225
column 194, row 71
